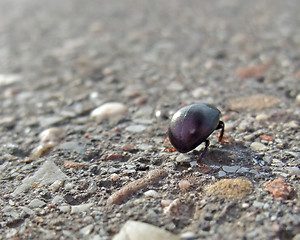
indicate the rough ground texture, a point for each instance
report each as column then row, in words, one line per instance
column 59, row 60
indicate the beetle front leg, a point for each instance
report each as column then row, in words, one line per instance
column 203, row 152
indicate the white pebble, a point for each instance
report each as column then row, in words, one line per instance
column 114, row 177
column 138, row 230
column 184, row 184
column 245, row 205
column 151, row 194
column 69, row 186
column 7, row 79
column 258, row 147
column 50, row 135
column 109, row 110
column 262, row 117
column 298, row 99
column 56, row 185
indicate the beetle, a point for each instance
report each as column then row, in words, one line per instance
column 192, row 125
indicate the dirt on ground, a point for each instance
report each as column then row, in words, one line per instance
column 87, row 92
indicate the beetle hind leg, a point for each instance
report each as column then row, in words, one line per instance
column 221, row 126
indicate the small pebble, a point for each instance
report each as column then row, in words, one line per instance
column 81, row 208
column 235, row 188
column 8, row 79
column 188, row 235
column 27, row 210
column 221, row 174
column 135, row 128
column 56, row 185
column 151, row 194
column 41, row 150
column 184, row 184
column 243, row 170
column 109, row 110
column 262, row 117
column 50, row 135
column 69, row 186
column 72, row 146
column 64, row 209
column 87, row 229
column 230, row 169
column 279, row 188
column 258, row 147
column 165, row 202
column 127, row 147
column 258, row 204
column 298, row 102
column 293, row 171
column 36, row 203
column 48, row 173
column 245, row 205
column 114, row 177
column 57, row 199
column 291, row 125
column 183, row 158
column 134, row 230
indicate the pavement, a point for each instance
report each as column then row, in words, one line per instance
column 87, row 91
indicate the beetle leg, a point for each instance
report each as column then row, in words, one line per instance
column 203, row 167
column 221, row 126
column 203, row 152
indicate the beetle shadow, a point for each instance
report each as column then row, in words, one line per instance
column 232, row 154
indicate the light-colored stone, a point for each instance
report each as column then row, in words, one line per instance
column 47, row 174
column 221, row 174
column 151, row 194
column 8, row 79
column 50, row 135
column 184, row 184
column 133, row 230
column 72, row 146
column 293, row 171
column 81, row 208
column 36, row 203
column 258, row 147
column 135, row 128
column 57, row 199
column 109, row 110
column 230, row 169
column 87, row 229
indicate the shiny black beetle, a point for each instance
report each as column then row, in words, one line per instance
column 192, row 124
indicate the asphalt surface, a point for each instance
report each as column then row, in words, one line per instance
column 60, row 60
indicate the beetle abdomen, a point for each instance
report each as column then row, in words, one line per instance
column 191, row 125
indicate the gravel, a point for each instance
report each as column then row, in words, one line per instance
column 86, row 93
